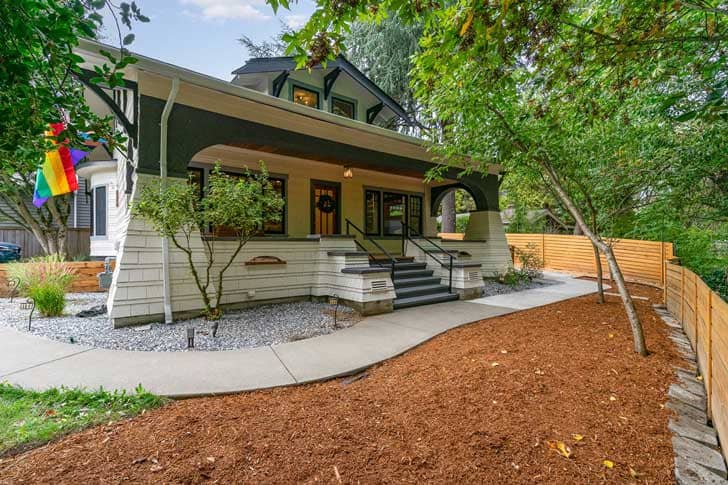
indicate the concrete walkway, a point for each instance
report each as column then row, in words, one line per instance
column 38, row 363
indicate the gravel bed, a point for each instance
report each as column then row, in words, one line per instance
column 492, row 287
column 253, row 327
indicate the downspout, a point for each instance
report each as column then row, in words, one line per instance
column 163, row 175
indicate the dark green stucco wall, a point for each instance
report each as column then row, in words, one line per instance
column 190, row 130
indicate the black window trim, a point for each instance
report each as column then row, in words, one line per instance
column 407, row 194
column 352, row 102
column 310, row 89
column 206, row 169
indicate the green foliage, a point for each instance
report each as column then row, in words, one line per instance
column 30, row 418
column 44, row 279
column 530, row 263
column 514, row 277
column 38, row 86
column 383, row 51
column 240, row 205
column 49, row 299
column 461, row 224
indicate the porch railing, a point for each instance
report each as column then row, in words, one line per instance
column 407, row 231
column 350, row 225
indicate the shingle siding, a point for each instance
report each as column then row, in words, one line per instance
column 82, row 211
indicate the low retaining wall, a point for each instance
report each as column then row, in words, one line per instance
column 86, row 277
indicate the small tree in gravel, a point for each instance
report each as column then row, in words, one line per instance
column 236, row 205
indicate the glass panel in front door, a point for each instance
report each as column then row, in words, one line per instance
column 325, row 209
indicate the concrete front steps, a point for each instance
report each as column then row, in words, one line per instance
column 416, row 285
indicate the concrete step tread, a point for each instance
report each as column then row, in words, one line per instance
column 410, row 273
column 424, row 299
column 417, row 281
column 420, row 290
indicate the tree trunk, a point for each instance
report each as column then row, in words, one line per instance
column 600, row 273
column 448, row 212
column 617, row 277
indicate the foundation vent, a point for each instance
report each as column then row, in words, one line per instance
column 474, row 275
column 379, row 285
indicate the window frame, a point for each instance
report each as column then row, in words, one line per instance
column 347, row 100
column 94, row 200
column 233, row 171
column 305, row 87
column 378, row 193
column 381, row 234
column 420, row 225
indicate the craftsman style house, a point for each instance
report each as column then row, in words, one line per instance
column 358, row 217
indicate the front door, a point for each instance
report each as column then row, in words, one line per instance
column 325, row 206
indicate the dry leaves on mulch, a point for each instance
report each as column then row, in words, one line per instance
column 554, row 394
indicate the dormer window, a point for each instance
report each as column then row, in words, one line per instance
column 343, row 107
column 306, row 97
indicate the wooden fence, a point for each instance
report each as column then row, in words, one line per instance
column 86, row 277
column 704, row 317
column 78, row 241
column 640, row 261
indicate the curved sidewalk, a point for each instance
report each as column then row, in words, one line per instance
column 38, row 363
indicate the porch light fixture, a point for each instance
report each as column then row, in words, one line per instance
column 348, row 173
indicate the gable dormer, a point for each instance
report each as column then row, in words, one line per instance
column 339, row 88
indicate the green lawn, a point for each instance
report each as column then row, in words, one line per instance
column 29, row 418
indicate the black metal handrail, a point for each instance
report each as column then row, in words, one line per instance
column 367, row 238
column 406, row 230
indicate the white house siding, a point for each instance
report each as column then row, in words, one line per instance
column 136, row 294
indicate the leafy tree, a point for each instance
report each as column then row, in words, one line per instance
column 516, row 81
column 39, row 85
column 272, row 47
column 383, row 51
column 239, row 205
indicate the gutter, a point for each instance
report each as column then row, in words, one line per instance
column 168, row 318
column 165, row 69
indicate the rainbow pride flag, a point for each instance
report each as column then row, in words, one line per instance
column 57, row 175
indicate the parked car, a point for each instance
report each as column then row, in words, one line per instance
column 9, row 252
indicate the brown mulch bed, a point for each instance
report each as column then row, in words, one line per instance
column 477, row 404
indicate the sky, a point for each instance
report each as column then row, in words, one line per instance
column 202, row 34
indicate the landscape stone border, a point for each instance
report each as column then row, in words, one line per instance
column 698, row 458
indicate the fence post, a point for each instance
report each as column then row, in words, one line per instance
column 543, row 249
column 709, row 357
column 682, row 297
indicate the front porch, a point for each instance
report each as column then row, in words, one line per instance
column 348, row 188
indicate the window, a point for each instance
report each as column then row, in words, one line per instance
column 372, row 206
column 269, row 227
column 99, row 210
column 415, row 214
column 394, row 208
column 344, row 108
column 385, row 211
column 306, row 97
column 197, row 177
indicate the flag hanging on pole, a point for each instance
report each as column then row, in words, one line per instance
column 57, row 175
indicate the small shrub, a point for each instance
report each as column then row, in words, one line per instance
column 531, row 263
column 49, row 299
column 514, row 277
column 46, row 280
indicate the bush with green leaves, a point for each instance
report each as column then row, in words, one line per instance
column 46, row 280
column 240, row 205
column 531, row 264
